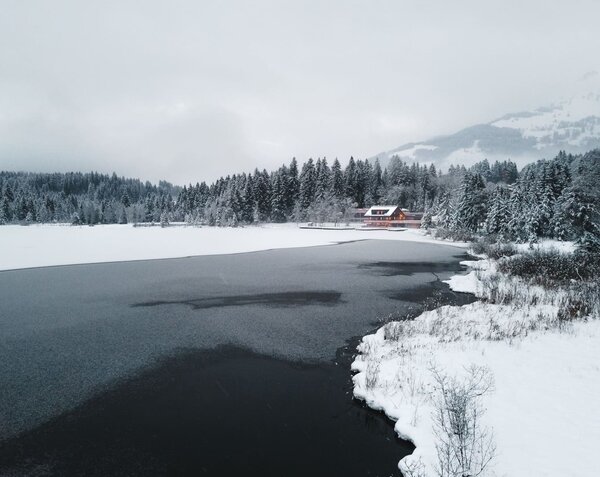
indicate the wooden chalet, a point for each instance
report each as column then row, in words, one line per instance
column 391, row 216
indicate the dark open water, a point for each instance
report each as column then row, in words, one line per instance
column 223, row 365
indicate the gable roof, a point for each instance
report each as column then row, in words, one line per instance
column 375, row 211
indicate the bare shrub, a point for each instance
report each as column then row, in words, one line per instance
column 495, row 288
column 436, row 300
column 372, row 375
column 465, row 447
column 410, row 381
column 489, row 285
column 393, row 331
column 502, row 250
column 581, row 300
column 414, row 468
column 493, row 249
column 399, row 326
column 366, row 347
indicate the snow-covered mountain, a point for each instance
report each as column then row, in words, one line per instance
column 572, row 125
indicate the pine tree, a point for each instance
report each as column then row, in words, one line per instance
column 397, row 172
column 123, row 216
column 426, row 221
column 5, row 215
column 8, row 194
column 292, row 187
column 350, row 179
column 364, row 171
column 149, row 210
column 278, row 202
column 375, row 184
column 322, row 179
column 307, row 185
column 444, row 212
column 21, row 209
column 248, row 201
column 262, row 195
column 164, row 219
column 517, row 226
column 499, row 214
column 337, row 179
column 471, row 211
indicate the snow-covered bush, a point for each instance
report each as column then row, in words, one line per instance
column 546, row 267
column 464, row 445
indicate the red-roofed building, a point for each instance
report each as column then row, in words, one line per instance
column 391, row 216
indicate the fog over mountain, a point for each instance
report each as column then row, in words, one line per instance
column 571, row 124
column 189, row 91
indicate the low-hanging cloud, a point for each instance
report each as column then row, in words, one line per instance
column 188, row 91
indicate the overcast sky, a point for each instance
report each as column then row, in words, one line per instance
column 188, row 90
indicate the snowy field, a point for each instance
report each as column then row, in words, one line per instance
column 47, row 245
column 543, row 408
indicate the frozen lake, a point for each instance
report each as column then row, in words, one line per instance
column 213, row 364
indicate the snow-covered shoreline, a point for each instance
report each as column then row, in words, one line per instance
column 51, row 245
column 543, row 410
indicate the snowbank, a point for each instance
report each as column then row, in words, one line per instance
column 544, row 408
column 46, row 245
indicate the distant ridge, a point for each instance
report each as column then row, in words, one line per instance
column 572, row 125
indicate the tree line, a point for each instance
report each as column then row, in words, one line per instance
column 319, row 192
column 82, row 198
column 556, row 198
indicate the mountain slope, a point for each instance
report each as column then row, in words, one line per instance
column 572, row 125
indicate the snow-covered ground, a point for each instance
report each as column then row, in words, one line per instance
column 544, row 409
column 46, row 245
